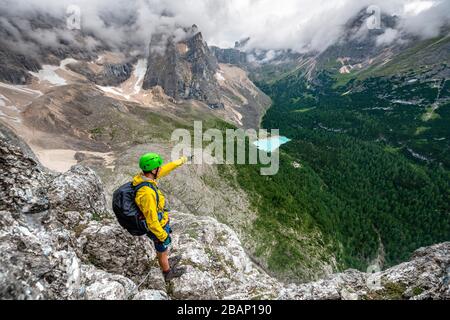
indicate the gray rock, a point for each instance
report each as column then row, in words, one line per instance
column 35, row 264
column 108, row 246
column 110, row 74
column 78, row 189
column 186, row 69
column 14, row 66
column 23, row 184
column 229, row 55
column 101, row 285
column 151, row 295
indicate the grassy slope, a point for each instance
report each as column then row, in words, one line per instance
column 417, row 59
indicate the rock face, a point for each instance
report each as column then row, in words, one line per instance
column 184, row 69
column 15, row 67
column 20, row 53
column 230, row 56
column 22, row 185
column 107, row 75
column 58, row 241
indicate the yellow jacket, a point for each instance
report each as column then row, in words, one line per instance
column 146, row 199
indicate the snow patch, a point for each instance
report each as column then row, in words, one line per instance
column 115, row 91
column 21, row 89
column 133, row 85
column 65, row 62
column 3, row 99
column 47, row 73
column 4, row 115
column 238, row 115
column 3, row 103
column 139, row 74
column 219, row 76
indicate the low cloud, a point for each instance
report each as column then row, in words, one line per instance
column 301, row 25
column 389, row 36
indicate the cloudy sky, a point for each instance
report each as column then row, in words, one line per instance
column 301, row 25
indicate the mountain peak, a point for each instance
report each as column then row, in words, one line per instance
column 192, row 67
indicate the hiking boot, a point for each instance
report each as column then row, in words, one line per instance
column 173, row 273
column 173, row 261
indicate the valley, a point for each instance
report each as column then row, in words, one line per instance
column 364, row 142
column 382, row 166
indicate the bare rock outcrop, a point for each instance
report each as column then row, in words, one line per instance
column 425, row 276
column 107, row 75
column 185, row 69
column 78, row 189
column 71, row 247
column 22, row 184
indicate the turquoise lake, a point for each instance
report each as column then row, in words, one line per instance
column 271, row 144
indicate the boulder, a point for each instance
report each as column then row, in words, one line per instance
column 109, row 247
column 23, row 184
column 151, row 295
column 101, row 285
column 78, row 189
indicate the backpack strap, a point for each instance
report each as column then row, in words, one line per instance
column 150, row 185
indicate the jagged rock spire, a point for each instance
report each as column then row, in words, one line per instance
column 184, row 69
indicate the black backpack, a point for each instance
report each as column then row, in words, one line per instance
column 126, row 210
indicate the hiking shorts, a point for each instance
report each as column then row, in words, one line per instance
column 159, row 246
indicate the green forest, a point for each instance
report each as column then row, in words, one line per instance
column 361, row 181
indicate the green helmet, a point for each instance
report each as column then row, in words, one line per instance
column 150, row 161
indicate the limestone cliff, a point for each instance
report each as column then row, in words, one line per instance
column 184, row 69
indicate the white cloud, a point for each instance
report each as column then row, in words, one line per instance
column 301, row 25
column 416, row 7
column 426, row 20
column 389, row 36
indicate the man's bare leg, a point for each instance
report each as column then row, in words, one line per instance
column 163, row 260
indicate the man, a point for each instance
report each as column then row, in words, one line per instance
column 151, row 202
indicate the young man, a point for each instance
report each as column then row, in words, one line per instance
column 151, row 202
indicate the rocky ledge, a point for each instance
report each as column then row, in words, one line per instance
column 59, row 241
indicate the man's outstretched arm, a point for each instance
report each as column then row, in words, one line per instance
column 167, row 168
